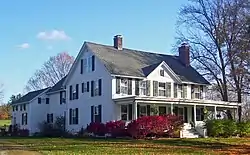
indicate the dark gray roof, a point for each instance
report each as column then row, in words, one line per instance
column 58, row 86
column 29, row 96
column 140, row 63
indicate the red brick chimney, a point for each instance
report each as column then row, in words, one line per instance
column 118, row 42
column 184, row 54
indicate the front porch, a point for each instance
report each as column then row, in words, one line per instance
column 191, row 111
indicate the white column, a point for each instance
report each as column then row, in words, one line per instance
column 215, row 112
column 135, row 110
column 172, row 109
column 194, row 115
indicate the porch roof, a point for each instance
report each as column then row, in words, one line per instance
column 162, row 100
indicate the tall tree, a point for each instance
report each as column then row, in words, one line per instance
column 213, row 28
column 51, row 72
column 14, row 98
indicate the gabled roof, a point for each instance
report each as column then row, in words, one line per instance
column 58, row 86
column 131, row 62
column 29, row 96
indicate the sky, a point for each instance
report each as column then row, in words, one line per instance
column 32, row 31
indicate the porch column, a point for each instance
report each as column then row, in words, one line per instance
column 172, row 109
column 194, row 115
column 135, row 110
column 215, row 112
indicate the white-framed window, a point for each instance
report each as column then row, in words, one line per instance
column 24, row 119
column 89, row 59
column 124, row 112
column 197, row 93
column 168, row 89
column 124, row 86
column 162, row 89
column 180, row 90
column 199, row 114
column 143, row 110
column 85, row 65
column 142, row 87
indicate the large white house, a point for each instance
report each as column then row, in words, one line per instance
column 109, row 83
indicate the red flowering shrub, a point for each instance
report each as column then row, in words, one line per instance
column 154, row 125
column 97, row 128
column 116, row 128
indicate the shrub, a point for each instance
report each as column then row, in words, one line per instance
column 23, row 132
column 243, row 128
column 229, row 128
column 116, row 128
column 97, row 128
column 154, row 126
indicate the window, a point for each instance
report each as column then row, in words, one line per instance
column 21, row 107
column 96, row 87
column 81, row 68
column 161, row 72
column 124, row 112
column 49, row 118
column 168, row 89
column 24, row 119
column 142, row 87
column 196, row 92
column 124, row 86
column 75, row 92
column 73, row 118
column 143, row 110
column 162, row 89
column 62, row 97
column 13, row 108
column 88, row 64
column 24, row 107
column 185, row 91
column 180, row 88
column 199, row 114
column 162, row 110
column 175, row 90
column 16, row 107
column 47, row 100
column 39, row 100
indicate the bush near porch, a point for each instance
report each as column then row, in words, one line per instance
column 143, row 127
column 227, row 128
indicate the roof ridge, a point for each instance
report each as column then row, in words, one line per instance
column 135, row 50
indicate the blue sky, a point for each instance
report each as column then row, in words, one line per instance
column 32, row 31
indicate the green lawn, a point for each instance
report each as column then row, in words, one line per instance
column 77, row 146
column 4, row 122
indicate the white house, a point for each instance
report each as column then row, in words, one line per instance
column 114, row 83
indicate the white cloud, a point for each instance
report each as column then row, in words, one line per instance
column 24, row 46
column 53, row 35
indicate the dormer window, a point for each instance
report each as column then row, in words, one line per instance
column 162, row 72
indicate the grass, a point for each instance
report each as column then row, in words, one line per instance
column 77, row 146
column 4, row 122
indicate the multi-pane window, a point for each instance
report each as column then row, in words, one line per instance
column 16, row 107
column 185, row 91
column 24, row 119
column 162, row 89
column 143, row 110
column 168, row 89
column 175, row 91
column 73, row 116
column 180, row 88
column 96, row 88
column 199, row 114
column 124, row 86
column 197, row 92
column 87, row 64
column 49, row 118
column 142, row 87
column 124, row 112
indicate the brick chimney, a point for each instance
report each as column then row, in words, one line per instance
column 184, row 54
column 118, row 42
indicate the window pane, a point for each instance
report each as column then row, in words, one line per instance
column 124, row 117
column 124, row 108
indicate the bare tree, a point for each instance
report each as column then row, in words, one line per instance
column 1, row 92
column 51, row 72
column 214, row 28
